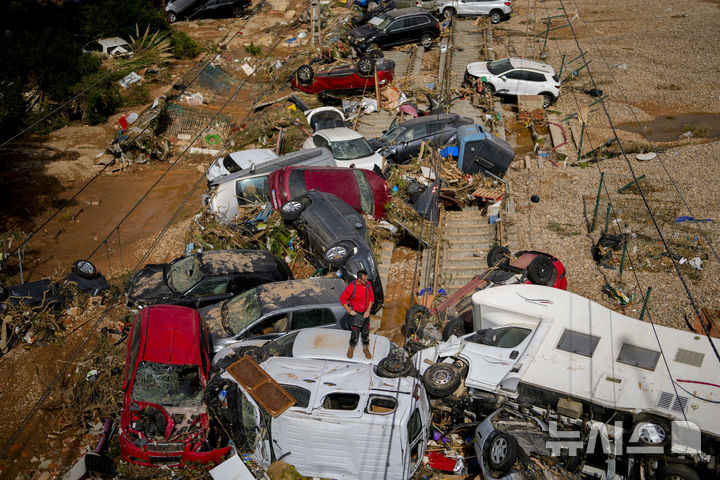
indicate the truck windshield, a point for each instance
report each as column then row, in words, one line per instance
column 168, row 385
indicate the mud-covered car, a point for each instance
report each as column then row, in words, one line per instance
column 164, row 420
column 204, row 278
column 337, row 236
column 357, row 76
column 276, row 308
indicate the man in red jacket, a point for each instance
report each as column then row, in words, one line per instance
column 357, row 299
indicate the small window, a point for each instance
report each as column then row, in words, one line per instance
column 341, row 401
column 312, row 318
column 301, row 395
column 535, row 77
column 211, row 286
column 273, row 324
column 414, row 426
column 381, row 405
column 517, row 75
column 252, row 190
column 638, row 356
column 575, row 342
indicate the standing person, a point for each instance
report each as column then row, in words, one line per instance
column 358, row 298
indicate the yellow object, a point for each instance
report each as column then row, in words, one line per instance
column 292, row 107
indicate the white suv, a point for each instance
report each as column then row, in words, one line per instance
column 516, row 76
column 495, row 9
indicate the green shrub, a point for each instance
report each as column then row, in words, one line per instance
column 184, row 47
column 99, row 104
column 136, row 95
column 253, row 49
column 110, row 18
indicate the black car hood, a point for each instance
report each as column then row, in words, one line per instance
column 148, row 285
column 363, row 31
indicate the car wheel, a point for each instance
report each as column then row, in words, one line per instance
column 675, row 471
column 291, row 210
column 394, row 366
column 238, row 12
column 498, row 256
column 374, row 46
column 376, row 54
column 541, row 271
column 651, row 431
column 454, row 326
column 4, row 293
column 337, row 254
column 488, row 87
column 449, row 13
column 84, row 269
column 502, row 451
column 365, row 65
column 495, row 16
column 416, row 315
column 171, row 17
column 426, row 40
column 548, row 99
column 441, row 379
column 305, row 75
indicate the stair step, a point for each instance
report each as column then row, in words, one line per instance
column 467, row 227
column 468, row 238
column 476, row 243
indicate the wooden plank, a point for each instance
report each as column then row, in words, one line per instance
column 261, row 386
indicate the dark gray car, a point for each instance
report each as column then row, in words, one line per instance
column 402, row 141
column 178, row 9
column 396, row 27
column 276, row 308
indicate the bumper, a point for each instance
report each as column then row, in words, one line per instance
column 148, row 458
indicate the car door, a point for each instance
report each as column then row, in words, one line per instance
column 208, row 290
column 475, row 7
column 535, row 83
column 395, row 32
column 511, row 82
column 410, row 141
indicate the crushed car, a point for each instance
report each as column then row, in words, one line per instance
column 276, row 308
column 365, row 191
column 109, row 47
column 346, row 421
column 204, row 278
column 360, row 75
column 337, row 236
column 164, row 421
column 236, row 161
column 349, row 148
column 180, row 9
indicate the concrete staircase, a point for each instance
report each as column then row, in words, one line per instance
column 384, row 259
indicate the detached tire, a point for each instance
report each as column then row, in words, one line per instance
column 675, row 471
column 171, row 17
column 502, row 452
column 416, row 315
column 441, row 379
column 291, row 210
column 498, row 256
column 84, row 269
column 365, row 65
column 338, row 253
column 541, row 271
column 305, row 75
column 454, row 326
column 394, row 366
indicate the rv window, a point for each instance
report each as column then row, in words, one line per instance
column 301, row 395
column 505, row 337
column 341, row 401
column 378, row 404
column 414, row 426
column 575, row 342
column 638, row 356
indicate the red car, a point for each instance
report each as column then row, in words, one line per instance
column 523, row 267
column 164, row 420
column 360, row 76
column 364, row 190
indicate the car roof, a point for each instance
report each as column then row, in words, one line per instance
column 401, row 12
column 112, row 42
column 172, row 335
column 293, row 158
column 338, row 134
column 518, row 62
column 332, row 344
column 298, row 293
column 432, row 118
column 221, row 262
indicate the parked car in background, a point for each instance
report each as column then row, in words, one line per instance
column 347, row 420
column 110, row 47
column 337, row 236
column 236, row 161
column 251, row 185
column 515, row 76
column 367, row 14
column 363, row 190
column 164, row 421
column 276, row 308
column 179, row 9
column 349, row 148
column 402, row 141
column 497, row 10
column 396, row 27
column 357, row 76
column 204, row 278
column 429, row 5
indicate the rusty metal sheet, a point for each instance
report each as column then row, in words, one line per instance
column 261, row 386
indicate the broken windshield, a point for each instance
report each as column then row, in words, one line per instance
column 351, row 149
column 499, row 67
column 168, row 385
column 183, row 274
column 241, row 311
column 392, row 133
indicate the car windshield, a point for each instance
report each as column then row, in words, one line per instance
column 240, row 311
column 367, row 200
column 168, row 385
column 380, row 22
column 351, row 149
column 281, row 347
column 499, row 66
column 183, row 274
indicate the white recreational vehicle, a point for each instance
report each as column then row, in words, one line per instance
column 541, row 346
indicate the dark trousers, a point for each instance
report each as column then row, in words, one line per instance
column 359, row 325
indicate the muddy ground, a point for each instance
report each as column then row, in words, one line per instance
column 662, row 55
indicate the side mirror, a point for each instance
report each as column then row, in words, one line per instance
column 358, row 225
column 252, row 167
column 503, row 77
column 124, row 386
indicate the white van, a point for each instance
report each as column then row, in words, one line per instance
column 347, row 422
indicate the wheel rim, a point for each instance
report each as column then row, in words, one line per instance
column 291, row 207
column 448, row 13
column 441, row 377
column 647, row 436
column 85, row 267
column 498, row 452
column 495, row 18
column 547, row 101
column 336, row 253
column 394, row 365
column 427, row 41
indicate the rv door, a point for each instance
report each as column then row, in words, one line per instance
column 256, row 431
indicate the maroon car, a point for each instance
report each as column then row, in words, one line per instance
column 164, row 420
column 364, row 190
column 360, row 76
column 523, row 267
